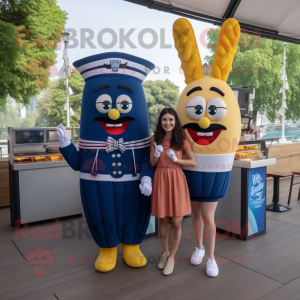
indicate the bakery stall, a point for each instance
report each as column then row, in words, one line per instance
column 42, row 184
column 242, row 213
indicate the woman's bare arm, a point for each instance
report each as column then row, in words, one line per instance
column 153, row 159
column 190, row 161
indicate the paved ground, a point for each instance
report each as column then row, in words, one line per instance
column 267, row 267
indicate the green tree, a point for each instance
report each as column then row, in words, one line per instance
column 29, row 32
column 51, row 103
column 293, row 75
column 159, row 94
column 257, row 64
column 10, row 116
column 30, row 119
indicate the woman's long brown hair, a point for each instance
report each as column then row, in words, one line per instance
column 178, row 135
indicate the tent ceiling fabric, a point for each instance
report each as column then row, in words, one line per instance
column 282, row 16
column 274, row 19
column 214, row 8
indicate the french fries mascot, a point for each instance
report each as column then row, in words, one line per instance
column 114, row 155
column 209, row 113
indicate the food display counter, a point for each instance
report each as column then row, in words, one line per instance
column 42, row 184
column 242, row 213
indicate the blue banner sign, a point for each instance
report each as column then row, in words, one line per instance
column 256, row 200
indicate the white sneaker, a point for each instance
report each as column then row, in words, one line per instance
column 212, row 269
column 197, row 256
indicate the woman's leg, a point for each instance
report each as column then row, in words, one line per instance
column 208, row 214
column 175, row 235
column 164, row 232
column 197, row 223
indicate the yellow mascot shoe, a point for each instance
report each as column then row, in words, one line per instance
column 106, row 260
column 133, row 256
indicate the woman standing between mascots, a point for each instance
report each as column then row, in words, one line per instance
column 170, row 195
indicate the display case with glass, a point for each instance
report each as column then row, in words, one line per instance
column 42, row 184
column 34, row 146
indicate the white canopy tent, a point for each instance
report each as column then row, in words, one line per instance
column 273, row 19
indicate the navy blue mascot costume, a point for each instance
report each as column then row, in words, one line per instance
column 113, row 156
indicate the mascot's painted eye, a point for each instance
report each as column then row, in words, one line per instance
column 212, row 110
column 216, row 109
column 198, row 110
column 124, row 104
column 195, row 108
column 104, row 104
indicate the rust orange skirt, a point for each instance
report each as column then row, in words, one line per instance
column 170, row 193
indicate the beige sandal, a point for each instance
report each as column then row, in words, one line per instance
column 163, row 260
column 168, row 270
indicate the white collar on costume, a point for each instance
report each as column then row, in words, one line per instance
column 111, row 144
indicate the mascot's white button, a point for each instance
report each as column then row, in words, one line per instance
column 113, row 164
column 113, row 155
column 119, row 155
column 119, row 164
column 120, row 172
column 114, row 172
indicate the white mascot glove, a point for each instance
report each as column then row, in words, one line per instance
column 146, row 185
column 62, row 135
column 158, row 150
column 172, row 155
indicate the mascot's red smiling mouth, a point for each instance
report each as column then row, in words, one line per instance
column 114, row 127
column 202, row 136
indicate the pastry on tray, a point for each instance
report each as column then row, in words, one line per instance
column 247, row 147
column 39, row 159
column 242, row 155
column 22, row 160
column 52, row 150
column 245, row 159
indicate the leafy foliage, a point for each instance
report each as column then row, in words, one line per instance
column 159, row 94
column 257, row 64
column 9, row 117
column 29, row 32
column 293, row 75
column 51, row 104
